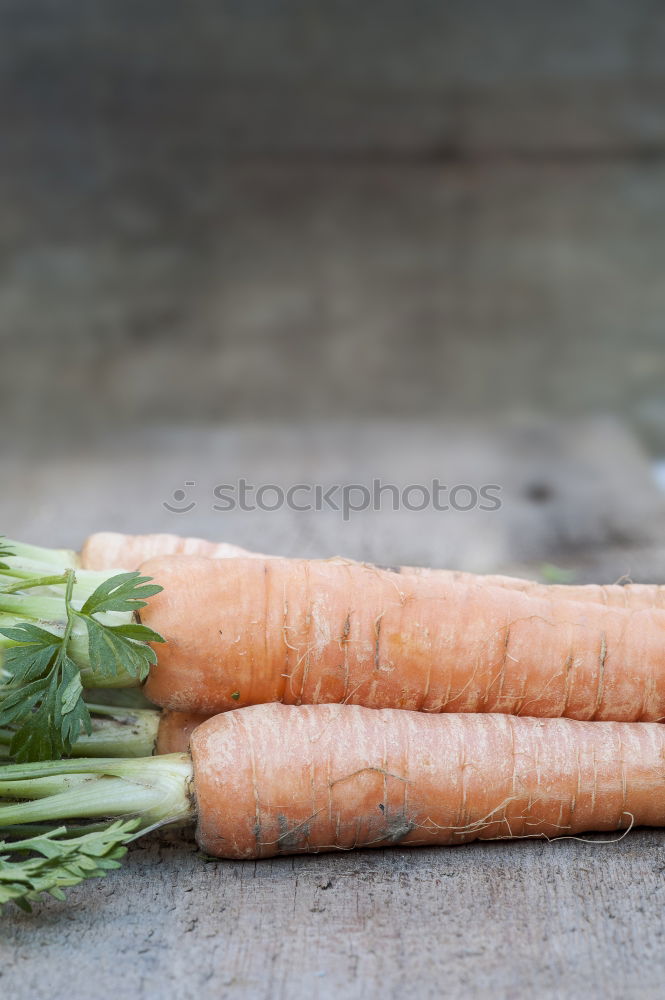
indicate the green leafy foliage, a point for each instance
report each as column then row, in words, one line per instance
column 56, row 860
column 44, row 697
column 123, row 592
column 111, row 650
column 32, row 655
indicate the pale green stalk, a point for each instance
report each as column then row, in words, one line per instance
column 116, row 732
column 157, row 790
column 50, row 613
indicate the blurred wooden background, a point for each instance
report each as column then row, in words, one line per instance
column 219, row 210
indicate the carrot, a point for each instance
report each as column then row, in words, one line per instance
column 280, row 780
column 217, row 634
column 275, row 779
column 241, row 632
column 175, row 730
column 111, row 550
column 618, row 595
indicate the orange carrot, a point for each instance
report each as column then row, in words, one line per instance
column 111, row 550
column 175, row 730
column 282, row 780
column 617, row 595
column 275, row 779
column 246, row 631
column 108, row 550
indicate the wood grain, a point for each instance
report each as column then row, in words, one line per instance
column 497, row 920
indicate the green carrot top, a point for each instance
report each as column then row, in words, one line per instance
column 61, row 628
column 53, row 860
column 130, row 796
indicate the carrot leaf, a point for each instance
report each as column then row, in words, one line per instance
column 123, row 592
column 54, row 860
column 111, row 652
column 33, row 654
column 43, row 700
column 49, row 711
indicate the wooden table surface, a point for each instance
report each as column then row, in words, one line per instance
column 567, row 919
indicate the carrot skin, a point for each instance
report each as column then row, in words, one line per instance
column 111, row 550
column 277, row 779
column 634, row 596
column 247, row 631
column 175, row 730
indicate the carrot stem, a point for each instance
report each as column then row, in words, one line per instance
column 61, row 559
column 24, row 574
column 116, row 732
column 26, row 582
column 50, row 614
column 156, row 789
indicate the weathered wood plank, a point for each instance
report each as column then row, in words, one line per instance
column 491, row 920
column 423, row 79
column 196, row 294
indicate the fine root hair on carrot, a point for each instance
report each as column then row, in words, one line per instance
column 109, row 550
column 242, row 631
column 307, row 632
